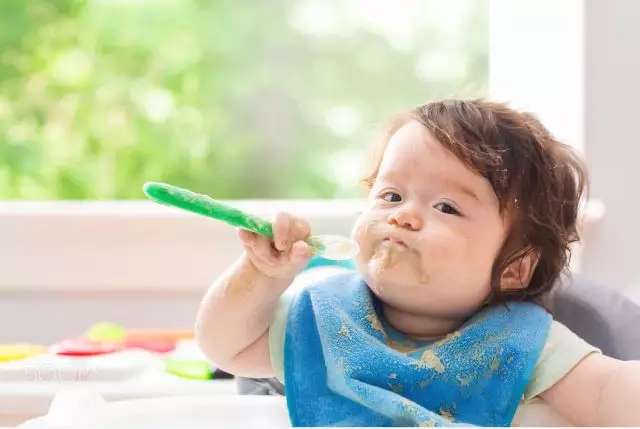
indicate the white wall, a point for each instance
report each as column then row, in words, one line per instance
column 537, row 61
column 612, row 117
column 65, row 266
column 576, row 63
column 48, row 317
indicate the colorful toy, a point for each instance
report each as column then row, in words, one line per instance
column 81, row 347
column 106, row 331
column 106, row 351
column 11, row 352
column 155, row 345
column 154, row 340
column 195, row 369
column 160, row 334
column 328, row 246
column 188, row 368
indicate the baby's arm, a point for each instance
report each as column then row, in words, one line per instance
column 599, row 391
column 232, row 327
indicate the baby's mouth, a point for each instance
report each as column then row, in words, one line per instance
column 395, row 240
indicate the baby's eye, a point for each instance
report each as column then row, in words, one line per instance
column 391, row 197
column 447, row 208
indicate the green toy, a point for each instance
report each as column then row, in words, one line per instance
column 188, row 368
column 328, row 246
column 106, row 331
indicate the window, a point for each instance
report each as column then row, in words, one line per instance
column 278, row 99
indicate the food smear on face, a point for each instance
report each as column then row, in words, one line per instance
column 384, row 257
column 420, row 271
column 388, row 254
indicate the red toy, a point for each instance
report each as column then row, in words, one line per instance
column 81, row 347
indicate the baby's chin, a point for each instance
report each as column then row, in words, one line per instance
column 406, row 296
column 390, row 266
column 391, row 280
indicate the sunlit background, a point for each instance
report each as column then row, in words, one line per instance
column 272, row 99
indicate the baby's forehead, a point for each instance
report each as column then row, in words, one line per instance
column 413, row 151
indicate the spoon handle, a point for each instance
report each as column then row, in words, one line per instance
column 204, row 205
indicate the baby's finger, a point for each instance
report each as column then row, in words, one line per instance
column 282, row 231
column 300, row 229
column 248, row 238
column 263, row 249
column 301, row 252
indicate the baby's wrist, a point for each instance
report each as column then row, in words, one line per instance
column 262, row 280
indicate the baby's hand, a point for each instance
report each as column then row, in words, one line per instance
column 284, row 256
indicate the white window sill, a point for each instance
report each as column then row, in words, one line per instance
column 140, row 246
column 137, row 246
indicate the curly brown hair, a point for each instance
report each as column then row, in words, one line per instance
column 539, row 182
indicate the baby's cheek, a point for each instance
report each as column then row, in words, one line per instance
column 476, row 249
column 443, row 252
column 470, row 259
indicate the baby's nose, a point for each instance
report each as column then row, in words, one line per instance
column 408, row 219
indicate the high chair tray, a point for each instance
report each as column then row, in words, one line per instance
column 86, row 409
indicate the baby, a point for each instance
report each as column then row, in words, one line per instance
column 471, row 210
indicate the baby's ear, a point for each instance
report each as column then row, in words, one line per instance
column 518, row 274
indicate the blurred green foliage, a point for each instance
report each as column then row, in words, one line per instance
column 265, row 99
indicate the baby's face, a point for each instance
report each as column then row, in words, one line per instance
column 432, row 230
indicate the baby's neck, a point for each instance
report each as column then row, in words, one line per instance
column 419, row 327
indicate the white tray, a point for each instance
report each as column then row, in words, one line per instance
column 86, row 409
column 52, row 368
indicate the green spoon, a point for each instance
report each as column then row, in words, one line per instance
column 333, row 247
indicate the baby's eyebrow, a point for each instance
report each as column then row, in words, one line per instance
column 462, row 188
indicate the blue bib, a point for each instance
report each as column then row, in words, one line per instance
column 344, row 367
